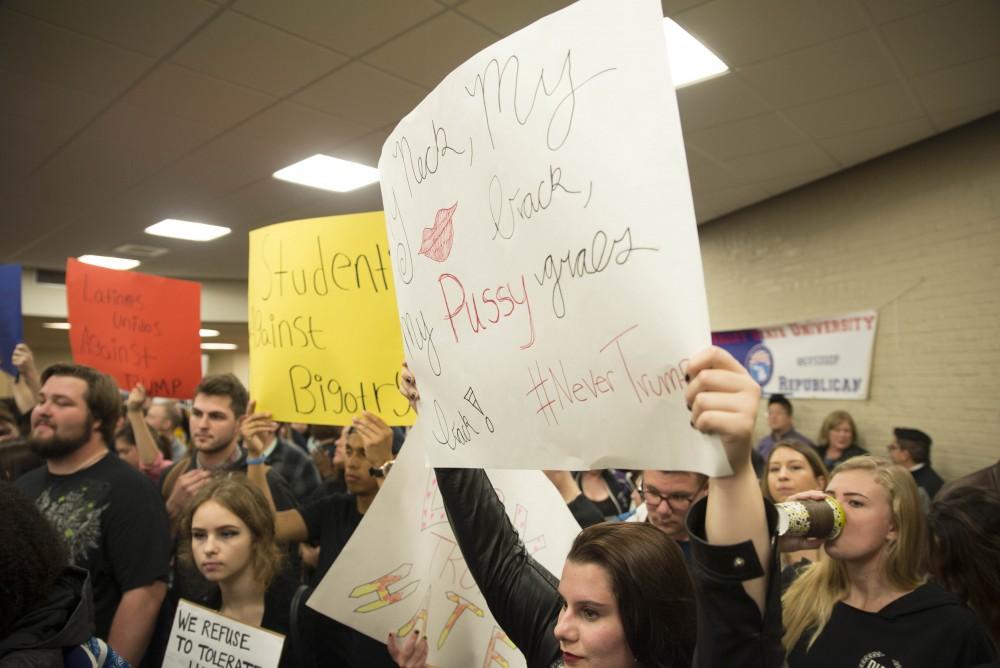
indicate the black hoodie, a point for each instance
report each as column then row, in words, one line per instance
column 927, row 627
column 65, row 619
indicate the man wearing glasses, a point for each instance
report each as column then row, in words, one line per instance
column 667, row 497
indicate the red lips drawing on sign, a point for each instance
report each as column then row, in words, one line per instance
column 436, row 241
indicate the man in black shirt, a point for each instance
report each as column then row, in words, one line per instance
column 331, row 520
column 109, row 514
column 911, row 449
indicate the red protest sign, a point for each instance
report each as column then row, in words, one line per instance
column 136, row 327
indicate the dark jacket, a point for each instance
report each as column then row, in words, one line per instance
column 64, row 620
column 524, row 598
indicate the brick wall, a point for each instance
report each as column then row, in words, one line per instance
column 915, row 234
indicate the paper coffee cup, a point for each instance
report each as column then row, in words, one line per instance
column 811, row 519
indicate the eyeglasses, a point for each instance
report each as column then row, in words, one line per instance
column 676, row 500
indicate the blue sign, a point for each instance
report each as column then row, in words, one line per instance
column 11, row 325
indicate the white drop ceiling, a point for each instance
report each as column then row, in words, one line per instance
column 117, row 114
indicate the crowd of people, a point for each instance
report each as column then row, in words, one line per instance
column 117, row 506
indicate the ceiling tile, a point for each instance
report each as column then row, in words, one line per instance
column 362, row 94
column 365, row 150
column 742, row 32
column 718, row 202
column 225, row 164
column 962, row 31
column 347, row 27
column 299, row 130
column 151, row 27
column 198, row 97
column 706, row 174
column 874, row 107
column 833, row 68
column 717, row 101
column 63, row 110
column 745, row 137
column 970, row 84
column 39, row 50
column 27, row 142
column 946, row 120
column 673, row 7
column 792, row 180
column 851, row 149
column 881, row 11
column 443, row 43
column 246, row 52
column 782, row 163
column 511, row 15
column 264, row 198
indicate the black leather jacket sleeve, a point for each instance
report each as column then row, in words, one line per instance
column 731, row 630
column 522, row 595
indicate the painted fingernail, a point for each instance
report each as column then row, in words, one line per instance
column 692, row 424
column 687, row 378
column 689, row 406
column 417, row 632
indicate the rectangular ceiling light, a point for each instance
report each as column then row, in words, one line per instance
column 328, row 173
column 186, row 229
column 55, row 325
column 690, row 60
column 109, row 262
column 218, row 346
column 208, row 332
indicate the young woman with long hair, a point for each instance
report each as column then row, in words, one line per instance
column 228, row 532
column 868, row 597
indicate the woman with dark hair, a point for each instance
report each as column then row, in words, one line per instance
column 626, row 597
column 965, row 550
column 46, row 609
column 838, row 439
column 227, row 530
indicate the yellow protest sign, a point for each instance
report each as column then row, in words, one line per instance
column 325, row 340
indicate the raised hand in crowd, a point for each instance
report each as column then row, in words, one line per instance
column 410, row 653
column 256, row 428
column 723, row 399
column 376, row 437
column 148, row 452
column 29, row 382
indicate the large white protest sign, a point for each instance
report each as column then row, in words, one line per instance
column 824, row 358
column 202, row 638
column 545, row 251
column 402, row 570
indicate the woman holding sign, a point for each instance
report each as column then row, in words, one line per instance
column 229, row 531
column 626, row 598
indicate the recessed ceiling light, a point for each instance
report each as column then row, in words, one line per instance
column 218, row 346
column 208, row 332
column 328, row 173
column 690, row 60
column 109, row 262
column 186, row 229
column 55, row 325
